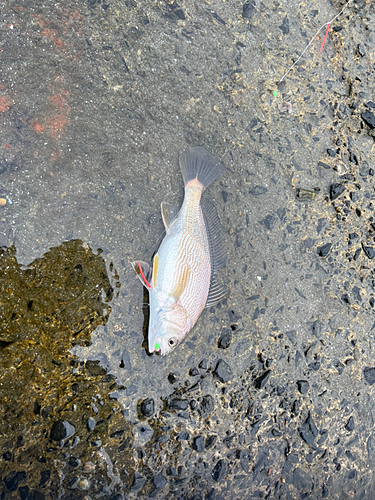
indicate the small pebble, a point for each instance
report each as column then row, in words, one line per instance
column 83, row 484
column 3, row 202
column 88, row 468
column 147, row 407
column 90, row 423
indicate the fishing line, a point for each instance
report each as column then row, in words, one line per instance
column 313, row 38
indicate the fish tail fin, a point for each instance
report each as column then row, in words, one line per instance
column 198, row 163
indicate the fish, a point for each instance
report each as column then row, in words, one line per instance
column 182, row 279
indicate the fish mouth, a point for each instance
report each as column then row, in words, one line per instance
column 155, row 346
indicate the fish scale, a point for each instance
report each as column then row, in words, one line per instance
column 183, row 280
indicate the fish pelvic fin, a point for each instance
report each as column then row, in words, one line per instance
column 198, row 163
column 169, row 213
column 143, row 272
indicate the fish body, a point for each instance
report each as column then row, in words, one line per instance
column 182, row 279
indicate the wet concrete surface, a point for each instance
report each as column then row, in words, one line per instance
column 271, row 394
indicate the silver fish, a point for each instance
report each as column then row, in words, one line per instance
column 182, row 280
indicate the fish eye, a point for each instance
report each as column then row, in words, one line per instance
column 171, row 342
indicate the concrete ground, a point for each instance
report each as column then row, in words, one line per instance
column 271, row 395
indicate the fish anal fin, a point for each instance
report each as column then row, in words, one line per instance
column 143, row 272
column 168, row 213
column 216, row 294
column 214, row 236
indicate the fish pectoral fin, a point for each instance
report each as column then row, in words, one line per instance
column 168, row 213
column 144, row 272
column 216, row 294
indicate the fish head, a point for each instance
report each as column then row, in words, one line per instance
column 168, row 328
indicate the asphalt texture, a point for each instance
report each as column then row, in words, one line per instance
column 271, row 395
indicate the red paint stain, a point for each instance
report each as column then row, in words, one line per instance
column 52, row 35
column 57, row 122
column 5, row 103
column 7, row 146
column 38, row 127
column 56, row 125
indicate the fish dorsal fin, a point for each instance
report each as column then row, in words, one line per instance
column 216, row 294
column 214, row 236
column 168, row 212
column 144, row 273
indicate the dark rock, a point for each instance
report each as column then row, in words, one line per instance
column 308, row 430
column 62, row 429
column 138, row 481
column 262, row 380
column 94, row 368
column 248, row 10
column 13, row 479
column 173, row 378
column 210, row 495
column 222, row 371
column 325, row 491
column 225, row 338
column 285, row 26
column 335, row 191
column 74, row 462
column 369, row 117
column 193, row 372
column 159, row 481
column 350, row 425
column 90, row 424
column 224, row 194
column 353, row 159
column 331, row 153
column 370, row 446
column 23, row 491
column 203, row 365
column 261, row 461
column 147, row 407
column 369, row 251
column 44, row 476
column 178, row 404
column 292, row 458
column 303, row 386
column 324, row 165
column 73, row 483
column 305, row 194
column 172, row 472
column 220, row 470
column 118, row 496
column 292, row 335
column 198, row 443
column 258, row 190
column 183, row 436
column 302, row 480
column 268, row 222
column 8, row 456
column 20, row 441
column 324, row 250
column 353, row 474
column 210, row 441
column 207, row 405
column 369, row 374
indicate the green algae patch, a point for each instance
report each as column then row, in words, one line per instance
column 46, row 396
